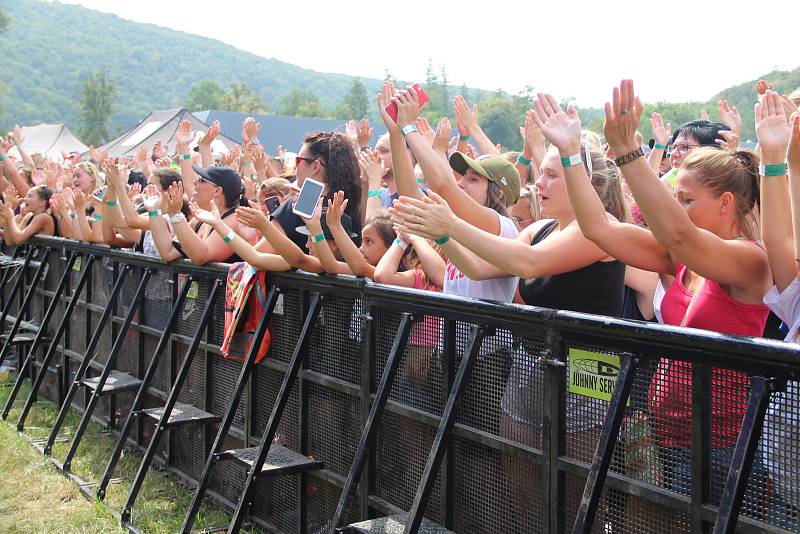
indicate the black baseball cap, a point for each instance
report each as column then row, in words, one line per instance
column 224, row 177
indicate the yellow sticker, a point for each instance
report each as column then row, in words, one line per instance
column 77, row 265
column 193, row 290
column 593, row 374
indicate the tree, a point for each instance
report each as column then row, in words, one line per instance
column 4, row 22
column 299, row 103
column 94, row 107
column 356, row 102
column 241, row 98
column 500, row 119
column 205, row 95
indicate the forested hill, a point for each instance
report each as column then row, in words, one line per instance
column 50, row 48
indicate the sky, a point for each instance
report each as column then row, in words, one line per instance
column 578, row 50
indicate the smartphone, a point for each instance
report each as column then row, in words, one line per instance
column 391, row 108
column 272, row 203
column 101, row 194
column 308, row 198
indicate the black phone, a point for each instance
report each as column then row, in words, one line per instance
column 272, row 204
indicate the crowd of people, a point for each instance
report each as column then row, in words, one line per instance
column 688, row 230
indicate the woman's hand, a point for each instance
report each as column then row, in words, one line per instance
column 371, row 166
column 772, row 128
column 561, row 129
column 250, row 129
column 184, row 134
column 661, row 132
column 728, row 140
column 430, row 217
column 151, row 198
column 622, row 118
column 407, row 107
column 466, row 118
column 532, row 138
column 364, row 133
column 79, row 200
column 425, row 130
column 730, row 117
column 210, row 218
column 210, row 135
column 314, row 223
column 5, row 211
column 252, row 217
column 793, row 154
column 172, row 198
column 441, row 140
column 384, row 97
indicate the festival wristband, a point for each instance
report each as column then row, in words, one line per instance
column 98, row 217
column 463, row 137
column 658, row 146
column 178, row 217
column 230, row 237
column 373, row 193
column 186, row 157
column 317, row 238
column 420, row 180
column 2, row 157
column 522, row 159
column 111, row 203
column 779, row 169
column 72, row 215
column 247, row 164
column 442, row 240
column 154, row 213
column 408, row 128
column 570, row 161
column 399, row 243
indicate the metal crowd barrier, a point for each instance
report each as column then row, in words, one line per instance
column 380, row 409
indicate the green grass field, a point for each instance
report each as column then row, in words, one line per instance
column 36, row 498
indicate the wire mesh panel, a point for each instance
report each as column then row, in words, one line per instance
column 102, row 280
column 127, row 358
column 161, row 377
column 287, row 320
column 276, row 502
column 780, row 450
column 222, row 380
column 193, row 390
column 193, row 306
column 333, row 427
column 188, row 449
column 216, row 322
column 267, row 383
column 331, row 351
column 322, row 500
column 157, row 301
column 227, row 478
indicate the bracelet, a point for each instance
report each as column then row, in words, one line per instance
column 247, row 164
column 2, row 157
column 255, row 141
column 408, row 128
column 633, row 155
column 778, row 169
column 463, row 137
column 373, row 193
column 570, row 161
column 522, row 159
column 72, row 215
column 111, row 203
column 399, row 243
column 178, row 217
column 186, row 157
column 98, row 217
column 317, row 238
column 230, row 237
column 659, row 146
column 420, row 180
column 154, row 213
column 442, row 240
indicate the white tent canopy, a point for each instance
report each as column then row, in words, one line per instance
column 50, row 140
column 160, row 126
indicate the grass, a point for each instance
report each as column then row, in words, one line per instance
column 35, row 497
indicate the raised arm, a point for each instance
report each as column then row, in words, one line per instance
column 16, row 136
column 533, row 148
column 10, row 169
column 469, row 119
column 661, row 135
column 793, row 158
column 204, row 144
column 728, row 262
column 432, row 263
column 356, row 264
column 372, row 169
column 116, row 187
column 200, row 250
column 774, row 136
column 184, row 136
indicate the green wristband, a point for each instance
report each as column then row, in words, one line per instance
column 658, row 146
column 374, row 193
column 247, row 164
column 153, row 213
column 442, row 240
column 230, row 237
column 98, row 217
column 522, row 159
column 186, row 157
column 463, row 137
column 73, row 216
column 420, row 180
column 2, row 157
column 569, row 161
column 317, row 238
column 779, row 169
column 111, row 203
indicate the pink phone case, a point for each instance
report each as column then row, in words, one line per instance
column 391, row 108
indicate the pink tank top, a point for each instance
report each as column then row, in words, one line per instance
column 670, row 395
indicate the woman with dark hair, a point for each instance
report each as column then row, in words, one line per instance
column 328, row 158
column 34, row 217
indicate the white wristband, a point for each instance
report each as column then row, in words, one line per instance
column 178, row 217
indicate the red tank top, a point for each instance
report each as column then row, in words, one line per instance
column 670, row 395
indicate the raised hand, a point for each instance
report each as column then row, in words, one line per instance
column 251, row 217
column 730, row 140
column 172, row 199
column 622, row 118
column 5, row 144
column 210, row 135
column 704, row 115
column 384, row 97
column 364, row 133
column 314, row 223
column 159, row 150
column 113, row 176
column 184, row 134
column 335, row 209
column 351, row 130
column 69, row 198
column 16, row 135
column 79, row 200
column 730, row 116
column 407, row 107
column 661, row 132
column 425, row 130
column 151, row 198
column 762, row 86
column 793, row 154
column 441, row 139
column 38, row 177
column 532, row 137
column 371, row 165
column 772, row 128
column 94, row 155
column 250, row 129
column 141, row 156
column 135, row 189
column 430, row 217
column 466, row 118
column 210, row 218
column 561, row 129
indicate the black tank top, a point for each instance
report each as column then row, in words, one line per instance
column 597, row 288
